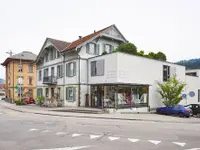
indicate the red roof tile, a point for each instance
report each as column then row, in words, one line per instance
column 74, row 44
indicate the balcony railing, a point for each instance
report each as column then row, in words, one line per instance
column 50, row 80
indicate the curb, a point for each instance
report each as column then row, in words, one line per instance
column 93, row 117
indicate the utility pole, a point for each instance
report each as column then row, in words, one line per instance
column 20, row 76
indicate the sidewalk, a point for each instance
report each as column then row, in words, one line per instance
column 133, row 117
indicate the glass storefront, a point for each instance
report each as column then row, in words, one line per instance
column 117, row 96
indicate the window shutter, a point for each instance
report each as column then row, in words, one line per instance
column 74, row 67
column 97, row 49
column 38, row 92
column 87, row 48
column 112, row 48
column 67, row 93
column 100, row 67
column 58, row 71
column 104, row 47
column 74, row 94
column 41, row 92
column 61, row 71
column 67, row 70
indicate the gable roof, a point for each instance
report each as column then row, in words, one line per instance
column 74, row 44
column 25, row 55
column 60, row 45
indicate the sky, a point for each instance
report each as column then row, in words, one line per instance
column 170, row 26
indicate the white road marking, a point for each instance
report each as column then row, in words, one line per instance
column 154, row 142
column 94, row 136
column 61, row 133
column 33, row 129
column 75, row 135
column 45, row 131
column 133, row 140
column 1, row 113
column 180, row 144
column 68, row 148
column 194, row 149
column 113, row 138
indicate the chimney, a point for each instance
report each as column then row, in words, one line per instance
column 94, row 31
column 80, row 37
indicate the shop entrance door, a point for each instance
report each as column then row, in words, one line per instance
column 97, row 97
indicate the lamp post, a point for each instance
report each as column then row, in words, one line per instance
column 20, row 77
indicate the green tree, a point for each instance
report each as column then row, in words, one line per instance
column 141, row 53
column 160, row 56
column 127, row 48
column 171, row 90
column 151, row 55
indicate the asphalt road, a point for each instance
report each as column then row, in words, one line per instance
column 22, row 131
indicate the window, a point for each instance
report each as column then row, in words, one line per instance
column 20, row 80
column 40, row 75
column 92, row 48
column 198, row 95
column 58, row 54
column 30, row 80
column 192, row 74
column 71, row 69
column 20, row 68
column 97, row 68
column 70, row 94
column 39, row 92
column 46, row 72
column 52, row 71
column 108, row 48
column 59, row 71
column 166, row 72
column 30, row 68
column 58, row 91
column 46, row 57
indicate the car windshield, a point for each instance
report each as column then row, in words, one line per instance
column 188, row 106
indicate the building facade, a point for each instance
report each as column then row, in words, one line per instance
column 82, row 75
column 20, row 75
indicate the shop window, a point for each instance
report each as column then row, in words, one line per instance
column 97, row 68
column 166, row 72
column 132, row 96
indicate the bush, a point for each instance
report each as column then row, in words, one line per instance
column 105, row 52
column 18, row 102
column 40, row 100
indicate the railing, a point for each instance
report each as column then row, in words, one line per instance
column 50, row 80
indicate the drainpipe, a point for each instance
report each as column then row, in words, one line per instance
column 64, row 80
column 79, row 80
column 13, row 84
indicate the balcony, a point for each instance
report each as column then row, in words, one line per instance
column 50, row 80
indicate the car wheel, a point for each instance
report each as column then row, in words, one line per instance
column 198, row 115
column 181, row 115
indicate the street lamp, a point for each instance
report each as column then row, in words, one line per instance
column 20, row 77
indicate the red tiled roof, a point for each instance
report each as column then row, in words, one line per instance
column 60, row 45
column 74, row 44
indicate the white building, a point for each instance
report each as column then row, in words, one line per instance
column 115, row 80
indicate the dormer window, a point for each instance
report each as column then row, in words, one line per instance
column 92, row 48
